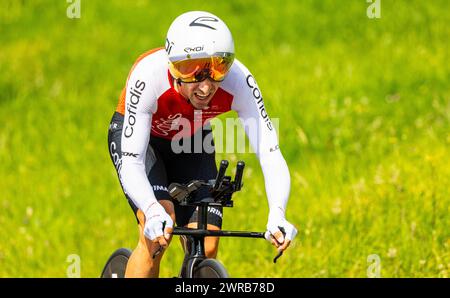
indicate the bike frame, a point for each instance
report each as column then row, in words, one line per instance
column 221, row 190
column 195, row 238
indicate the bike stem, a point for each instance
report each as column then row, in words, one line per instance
column 203, row 216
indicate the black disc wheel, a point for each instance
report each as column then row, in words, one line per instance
column 117, row 263
column 210, row 268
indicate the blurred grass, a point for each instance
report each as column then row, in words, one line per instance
column 364, row 109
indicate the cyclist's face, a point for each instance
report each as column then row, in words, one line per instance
column 199, row 94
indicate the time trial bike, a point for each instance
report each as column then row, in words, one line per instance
column 195, row 263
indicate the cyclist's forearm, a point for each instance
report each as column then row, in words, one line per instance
column 136, row 184
column 277, row 181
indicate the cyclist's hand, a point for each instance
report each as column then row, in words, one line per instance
column 157, row 219
column 276, row 227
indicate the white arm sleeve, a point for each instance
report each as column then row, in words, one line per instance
column 139, row 103
column 249, row 105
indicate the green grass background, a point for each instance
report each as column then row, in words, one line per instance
column 364, row 109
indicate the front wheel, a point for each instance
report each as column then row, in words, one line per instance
column 210, row 268
column 117, row 264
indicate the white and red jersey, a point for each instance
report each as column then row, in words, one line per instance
column 152, row 107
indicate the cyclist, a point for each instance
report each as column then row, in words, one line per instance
column 170, row 95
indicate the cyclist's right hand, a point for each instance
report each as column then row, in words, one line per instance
column 157, row 219
column 280, row 232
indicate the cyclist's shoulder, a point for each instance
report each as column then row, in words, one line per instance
column 239, row 70
column 151, row 67
column 236, row 80
column 156, row 53
column 151, row 60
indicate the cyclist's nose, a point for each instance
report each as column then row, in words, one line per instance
column 205, row 86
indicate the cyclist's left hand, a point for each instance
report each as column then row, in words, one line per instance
column 274, row 234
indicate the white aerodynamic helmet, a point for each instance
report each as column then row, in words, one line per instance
column 194, row 37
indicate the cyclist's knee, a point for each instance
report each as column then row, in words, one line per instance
column 211, row 243
column 211, row 247
column 169, row 207
column 143, row 262
column 146, row 249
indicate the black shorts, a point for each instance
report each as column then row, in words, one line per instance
column 163, row 167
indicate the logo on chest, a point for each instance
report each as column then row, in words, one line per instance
column 163, row 126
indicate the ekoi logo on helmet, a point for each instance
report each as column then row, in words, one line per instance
column 194, row 49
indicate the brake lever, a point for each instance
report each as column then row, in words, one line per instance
column 277, row 256
column 280, row 253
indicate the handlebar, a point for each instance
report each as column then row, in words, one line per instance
column 239, row 172
column 221, row 190
column 220, row 174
